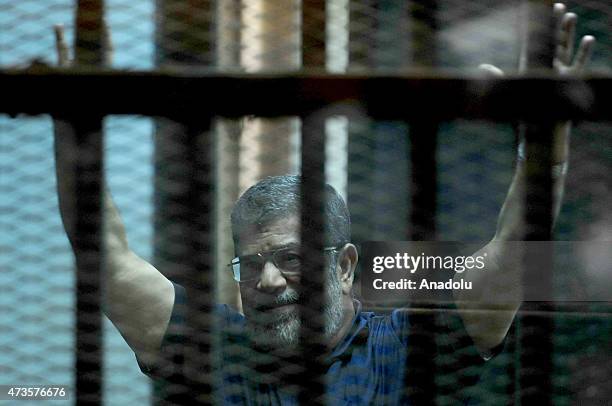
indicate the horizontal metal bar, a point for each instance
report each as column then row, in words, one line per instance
column 578, row 309
column 414, row 95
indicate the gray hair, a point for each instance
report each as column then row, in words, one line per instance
column 277, row 197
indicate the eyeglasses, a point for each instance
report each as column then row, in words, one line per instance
column 247, row 268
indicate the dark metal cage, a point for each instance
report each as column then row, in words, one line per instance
column 195, row 97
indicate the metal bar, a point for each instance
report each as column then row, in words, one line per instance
column 362, row 14
column 227, row 34
column 184, row 37
column 198, row 263
column 576, row 311
column 313, row 33
column 184, row 247
column 384, row 96
column 188, row 251
column 88, row 40
column 424, row 29
column 422, row 225
column 192, row 23
column 87, row 245
column 313, row 283
column 227, row 150
column 184, row 34
column 172, row 223
column 262, row 20
column 361, row 135
column 368, row 141
column 536, row 339
column 419, row 379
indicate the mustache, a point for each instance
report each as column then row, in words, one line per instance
column 288, row 297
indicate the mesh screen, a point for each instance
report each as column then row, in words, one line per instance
column 151, row 174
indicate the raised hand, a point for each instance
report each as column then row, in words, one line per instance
column 565, row 62
column 64, row 136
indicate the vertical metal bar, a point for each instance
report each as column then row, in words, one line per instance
column 424, row 132
column 88, row 41
column 191, row 22
column 312, row 295
column 374, row 27
column 270, row 41
column 173, row 249
column 423, row 28
column 88, row 216
column 363, row 22
column 184, row 33
column 228, row 34
column 184, row 36
column 227, row 136
column 198, row 264
column 361, row 139
column 419, row 380
column 424, row 181
column 313, row 33
column 536, row 340
column 312, row 388
column 88, row 252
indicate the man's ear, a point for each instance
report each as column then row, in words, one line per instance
column 347, row 262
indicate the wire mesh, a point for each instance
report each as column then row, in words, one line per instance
column 469, row 33
column 37, row 263
column 368, row 161
column 37, row 320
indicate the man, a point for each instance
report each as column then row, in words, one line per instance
column 366, row 354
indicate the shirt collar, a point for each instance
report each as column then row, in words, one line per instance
column 357, row 331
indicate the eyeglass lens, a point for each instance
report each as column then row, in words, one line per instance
column 286, row 260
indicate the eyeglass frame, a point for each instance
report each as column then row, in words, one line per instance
column 267, row 256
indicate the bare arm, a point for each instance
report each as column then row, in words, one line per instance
column 139, row 298
column 502, row 275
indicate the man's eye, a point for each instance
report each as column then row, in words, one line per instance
column 291, row 260
column 249, row 269
column 250, row 264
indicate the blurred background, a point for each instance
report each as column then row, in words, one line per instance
column 368, row 161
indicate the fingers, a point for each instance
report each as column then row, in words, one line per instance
column 491, row 70
column 565, row 28
column 567, row 37
column 565, row 62
column 63, row 59
column 585, row 51
column 559, row 10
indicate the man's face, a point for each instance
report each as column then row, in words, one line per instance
column 270, row 302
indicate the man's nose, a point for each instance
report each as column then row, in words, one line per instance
column 271, row 279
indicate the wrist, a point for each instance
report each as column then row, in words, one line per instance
column 558, row 169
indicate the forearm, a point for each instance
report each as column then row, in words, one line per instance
column 489, row 308
column 511, row 221
column 113, row 231
column 138, row 299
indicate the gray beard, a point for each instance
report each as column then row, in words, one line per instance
column 284, row 331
